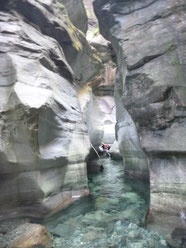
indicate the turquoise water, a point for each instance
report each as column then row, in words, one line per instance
column 113, row 216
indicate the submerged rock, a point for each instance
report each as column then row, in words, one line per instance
column 93, row 236
column 96, row 217
column 131, row 196
column 64, row 230
column 130, row 235
column 179, row 236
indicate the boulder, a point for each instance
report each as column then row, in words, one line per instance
column 31, row 236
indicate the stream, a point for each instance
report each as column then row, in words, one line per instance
column 113, row 216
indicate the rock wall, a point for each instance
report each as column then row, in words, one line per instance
column 100, row 112
column 43, row 137
column 149, row 38
column 98, row 107
column 76, row 13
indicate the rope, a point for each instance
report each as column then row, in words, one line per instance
column 95, row 150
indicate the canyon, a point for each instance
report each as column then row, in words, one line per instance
column 65, row 88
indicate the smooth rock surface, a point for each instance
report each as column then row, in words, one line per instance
column 43, row 137
column 98, row 105
column 52, row 19
column 149, row 38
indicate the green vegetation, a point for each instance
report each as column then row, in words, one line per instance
column 72, row 31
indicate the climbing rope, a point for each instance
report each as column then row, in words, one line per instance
column 95, row 150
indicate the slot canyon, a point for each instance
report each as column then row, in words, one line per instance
column 92, row 123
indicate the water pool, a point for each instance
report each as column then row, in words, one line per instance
column 113, row 216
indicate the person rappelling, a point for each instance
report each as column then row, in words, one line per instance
column 105, row 148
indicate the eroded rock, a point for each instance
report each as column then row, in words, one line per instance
column 149, row 40
column 44, row 140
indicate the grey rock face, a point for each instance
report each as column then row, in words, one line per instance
column 149, row 38
column 52, row 19
column 77, row 14
column 43, row 138
column 101, row 112
column 98, row 107
column 97, row 98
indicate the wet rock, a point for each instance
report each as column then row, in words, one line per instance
column 130, row 235
column 31, row 236
column 63, row 230
column 131, row 197
column 93, row 166
column 106, row 203
column 179, row 237
column 113, row 201
column 59, row 243
column 96, row 217
column 127, row 214
column 92, row 235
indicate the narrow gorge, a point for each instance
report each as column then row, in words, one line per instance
column 75, row 74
